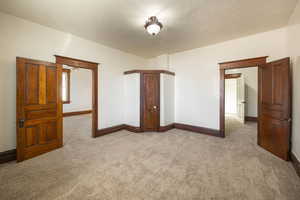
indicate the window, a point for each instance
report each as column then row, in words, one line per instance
column 66, row 86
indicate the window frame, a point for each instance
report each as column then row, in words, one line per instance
column 68, row 71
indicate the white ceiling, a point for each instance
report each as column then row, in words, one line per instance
column 187, row 23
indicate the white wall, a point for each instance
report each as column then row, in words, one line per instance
column 251, row 86
column 80, row 91
column 23, row 38
column 159, row 62
column 167, row 95
column 294, row 52
column 132, row 99
column 197, row 73
column 230, row 96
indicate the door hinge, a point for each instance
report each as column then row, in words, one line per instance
column 21, row 123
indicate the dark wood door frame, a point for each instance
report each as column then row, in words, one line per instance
column 91, row 66
column 245, row 63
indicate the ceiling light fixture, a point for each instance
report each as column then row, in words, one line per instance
column 153, row 26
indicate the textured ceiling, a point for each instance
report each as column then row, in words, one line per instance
column 187, row 23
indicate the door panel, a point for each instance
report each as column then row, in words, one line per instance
column 151, row 101
column 275, row 107
column 39, row 107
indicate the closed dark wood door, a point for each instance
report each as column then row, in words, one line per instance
column 39, row 107
column 150, row 96
column 275, row 107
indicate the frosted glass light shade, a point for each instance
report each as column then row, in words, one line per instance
column 153, row 29
column 153, row 26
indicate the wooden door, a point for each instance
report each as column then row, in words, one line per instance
column 275, row 107
column 241, row 100
column 150, row 101
column 39, row 108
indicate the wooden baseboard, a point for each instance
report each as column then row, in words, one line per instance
column 250, row 119
column 296, row 163
column 166, row 128
column 84, row 112
column 197, row 129
column 109, row 130
column 7, row 156
column 132, row 128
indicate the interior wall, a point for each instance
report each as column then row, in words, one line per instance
column 197, row 73
column 132, row 99
column 26, row 39
column 159, row 62
column 80, row 91
column 294, row 52
column 251, row 86
column 231, row 96
column 167, row 94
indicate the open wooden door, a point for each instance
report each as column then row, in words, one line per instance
column 151, row 101
column 39, row 108
column 275, row 107
column 241, row 98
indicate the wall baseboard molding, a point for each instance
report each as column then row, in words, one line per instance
column 296, row 163
column 7, row 156
column 84, row 112
column 198, row 129
column 251, row 119
column 132, row 128
column 109, row 130
column 166, row 128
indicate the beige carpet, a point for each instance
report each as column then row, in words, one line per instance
column 175, row 165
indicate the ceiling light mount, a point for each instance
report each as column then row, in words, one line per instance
column 153, row 26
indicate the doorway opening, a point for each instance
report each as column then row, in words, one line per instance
column 77, row 103
column 241, row 97
column 274, row 102
column 89, row 92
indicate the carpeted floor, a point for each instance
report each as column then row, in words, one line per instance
column 176, row 165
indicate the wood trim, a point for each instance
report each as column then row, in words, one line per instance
column 222, row 103
column 149, row 71
column 232, row 76
column 8, row 156
column 251, row 119
column 296, row 163
column 117, row 128
column 94, row 67
column 68, row 71
column 75, row 62
column 251, row 62
column 142, row 98
column 132, row 128
column 109, row 130
column 166, row 128
column 198, row 129
column 84, row 112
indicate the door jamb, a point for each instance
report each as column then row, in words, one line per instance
column 245, row 63
column 91, row 66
